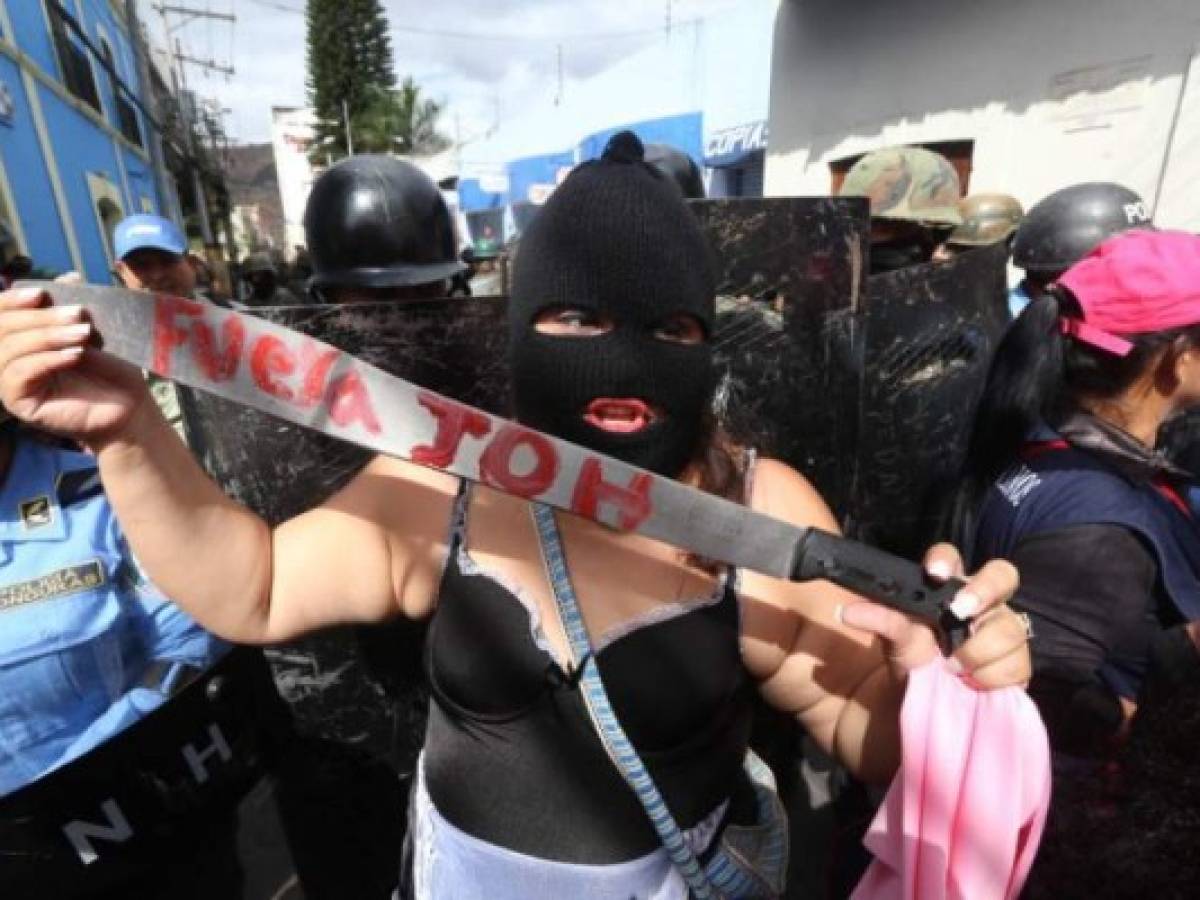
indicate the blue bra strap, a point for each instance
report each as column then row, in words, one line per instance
column 608, row 727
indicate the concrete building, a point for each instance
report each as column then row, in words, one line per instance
column 254, row 194
column 1025, row 96
column 293, row 131
column 75, row 146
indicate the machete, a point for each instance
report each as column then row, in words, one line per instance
column 281, row 372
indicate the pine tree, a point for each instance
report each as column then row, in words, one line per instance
column 349, row 64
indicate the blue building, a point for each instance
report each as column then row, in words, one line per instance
column 703, row 88
column 75, row 145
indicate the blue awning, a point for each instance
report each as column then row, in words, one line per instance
column 732, row 146
column 530, row 180
column 473, row 195
column 683, row 132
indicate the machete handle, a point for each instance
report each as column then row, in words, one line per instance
column 886, row 579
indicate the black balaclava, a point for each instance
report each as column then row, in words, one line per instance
column 615, row 238
column 888, row 256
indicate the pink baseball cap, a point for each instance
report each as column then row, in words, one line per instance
column 1137, row 282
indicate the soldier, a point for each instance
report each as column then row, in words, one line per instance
column 914, row 195
column 1064, row 227
column 986, row 219
column 299, row 272
column 378, row 229
column 262, row 276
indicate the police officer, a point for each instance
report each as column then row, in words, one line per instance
column 914, row 195
column 88, row 650
column 82, row 630
column 1064, row 227
column 262, row 277
column 377, row 228
column 152, row 255
column 679, row 167
column 986, row 219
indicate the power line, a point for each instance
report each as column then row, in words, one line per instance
column 270, row 4
column 538, row 39
column 501, row 37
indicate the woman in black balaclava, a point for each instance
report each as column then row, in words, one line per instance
column 516, row 796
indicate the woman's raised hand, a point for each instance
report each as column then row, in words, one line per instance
column 995, row 655
column 52, row 377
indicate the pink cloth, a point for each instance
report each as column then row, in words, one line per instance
column 965, row 813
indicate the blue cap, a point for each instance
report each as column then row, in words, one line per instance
column 142, row 231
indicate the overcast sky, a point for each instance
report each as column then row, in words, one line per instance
column 507, row 59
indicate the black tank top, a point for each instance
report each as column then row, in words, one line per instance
column 511, row 756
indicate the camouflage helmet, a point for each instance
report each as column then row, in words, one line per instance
column 986, row 219
column 908, row 183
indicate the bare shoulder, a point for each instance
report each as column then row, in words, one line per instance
column 392, row 522
column 780, row 491
column 387, row 487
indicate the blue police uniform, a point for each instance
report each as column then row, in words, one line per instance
column 87, row 646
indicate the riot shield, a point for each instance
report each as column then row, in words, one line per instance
column 361, row 686
column 791, row 276
column 928, row 333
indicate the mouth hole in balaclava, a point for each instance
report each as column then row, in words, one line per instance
column 616, row 257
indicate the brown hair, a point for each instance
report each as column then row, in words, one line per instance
column 720, row 465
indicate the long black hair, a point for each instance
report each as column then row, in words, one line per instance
column 1039, row 375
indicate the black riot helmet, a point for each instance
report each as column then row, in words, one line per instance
column 1065, row 226
column 680, row 168
column 378, row 222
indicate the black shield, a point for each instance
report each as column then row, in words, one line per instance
column 791, row 277
column 928, row 333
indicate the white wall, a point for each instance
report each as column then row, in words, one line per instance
column 292, row 133
column 1052, row 93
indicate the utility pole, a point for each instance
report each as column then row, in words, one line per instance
column 559, row 97
column 187, row 115
column 346, row 121
column 668, row 19
column 141, row 55
column 187, row 106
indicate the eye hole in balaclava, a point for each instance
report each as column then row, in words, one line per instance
column 615, row 245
